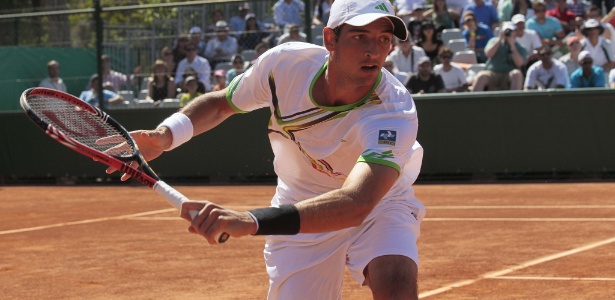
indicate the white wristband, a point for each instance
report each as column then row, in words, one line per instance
column 181, row 129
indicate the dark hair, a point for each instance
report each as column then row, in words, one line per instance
column 428, row 24
column 445, row 50
column 337, row 31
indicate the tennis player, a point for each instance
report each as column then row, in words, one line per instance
column 343, row 131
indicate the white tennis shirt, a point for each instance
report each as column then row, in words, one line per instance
column 315, row 146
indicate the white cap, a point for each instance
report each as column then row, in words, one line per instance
column 423, row 60
column 518, row 18
column 363, row 12
column 195, row 29
column 583, row 55
column 509, row 25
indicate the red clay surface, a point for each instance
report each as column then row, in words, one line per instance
column 492, row 241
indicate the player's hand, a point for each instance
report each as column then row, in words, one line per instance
column 151, row 143
column 212, row 220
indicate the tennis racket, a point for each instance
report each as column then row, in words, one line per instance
column 93, row 133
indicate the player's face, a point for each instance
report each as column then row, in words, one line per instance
column 360, row 52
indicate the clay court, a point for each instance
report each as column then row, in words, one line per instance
column 488, row 241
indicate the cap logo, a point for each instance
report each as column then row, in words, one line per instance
column 382, row 7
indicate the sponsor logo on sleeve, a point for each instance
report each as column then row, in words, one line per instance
column 387, row 137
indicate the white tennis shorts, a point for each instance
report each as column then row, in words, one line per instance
column 300, row 267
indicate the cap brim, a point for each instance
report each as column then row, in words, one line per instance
column 399, row 27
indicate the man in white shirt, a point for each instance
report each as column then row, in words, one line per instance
column 529, row 39
column 53, row 81
column 406, row 56
column 454, row 77
column 288, row 12
column 222, row 47
column 199, row 64
column 547, row 73
column 596, row 45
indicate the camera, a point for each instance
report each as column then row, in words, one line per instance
column 507, row 32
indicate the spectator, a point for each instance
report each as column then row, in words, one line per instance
column 596, row 45
column 454, row 77
column 425, row 81
column 406, row 56
column 442, row 17
column 53, row 81
column 187, row 73
column 609, row 32
column 508, row 8
column 260, row 49
column 612, row 78
column 216, row 17
column 415, row 21
column 253, row 34
column 166, row 54
column 483, row 12
column 528, row 38
column 195, row 38
column 457, row 5
column 221, row 47
column 546, row 73
column 199, row 64
column 219, row 80
column 608, row 4
column 406, row 9
column 571, row 59
column 117, row 80
column 191, row 91
column 161, row 85
column 565, row 16
column 179, row 50
column 389, row 65
column 549, row 29
column 91, row 96
column 321, row 12
column 476, row 35
column 238, row 22
column 429, row 40
column 293, row 34
column 578, row 7
column 506, row 56
column 288, row 12
column 588, row 75
column 238, row 68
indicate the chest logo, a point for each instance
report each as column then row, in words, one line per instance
column 387, row 137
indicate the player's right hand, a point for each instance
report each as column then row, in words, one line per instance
column 151, row 143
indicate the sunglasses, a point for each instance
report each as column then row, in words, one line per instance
column 587, row 62
column 190, row 49
column 446, row 56
column 539, row 10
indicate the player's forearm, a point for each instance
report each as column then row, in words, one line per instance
column 207, row 111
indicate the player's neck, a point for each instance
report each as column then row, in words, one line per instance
column 331, row 90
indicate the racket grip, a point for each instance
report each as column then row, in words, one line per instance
column 175, row 198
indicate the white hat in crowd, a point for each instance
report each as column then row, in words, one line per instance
column 195, row 29
column 508, row 25
column 363, row 12
column 583, row 55
column 518, row 18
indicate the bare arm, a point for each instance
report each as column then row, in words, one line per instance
column 492, row 49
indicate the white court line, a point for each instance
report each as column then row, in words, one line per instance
column 497, row 274
column 85, row 221
column 525, row 219
column 556, row 278
column 519, row 206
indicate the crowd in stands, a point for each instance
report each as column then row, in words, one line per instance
column 454, row 46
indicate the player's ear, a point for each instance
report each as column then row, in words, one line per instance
column 329, row 38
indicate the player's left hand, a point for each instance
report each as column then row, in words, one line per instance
column 213, row 219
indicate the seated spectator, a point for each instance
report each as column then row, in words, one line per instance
column 596, row 45
column 237, row 23
column 199, row 64
column 546, row 73
column 406, row 56
column 221, row 47
column 612, row 78
column 321, row 12
column 91, row 96
column 179, row 49
column 429, row 40
column 508, row 8
column 260, row 49
column 549, row 29
column 477, row 36
column 389, row 65
column 191, row 91
column 609, row 31
column 118, row 80
column 252, row 34
column 288, row 12
column 454, row 77
column 187, row 73
column 294, row 34
column 442, row 17
column 502, row 70
column 529, row 39
column 238, row 68
column 161, row 85
column 195, row 38
column 578, row 7
column 425, row 81
column 565, row 16
column 483, row 13
column 53, row 81
column 571, row 59
column 219, row 80
column 166, row 54
column 588, row 75
column 216, row 16
column 415, row 20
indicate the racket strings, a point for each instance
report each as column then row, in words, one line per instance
column 81, row 125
